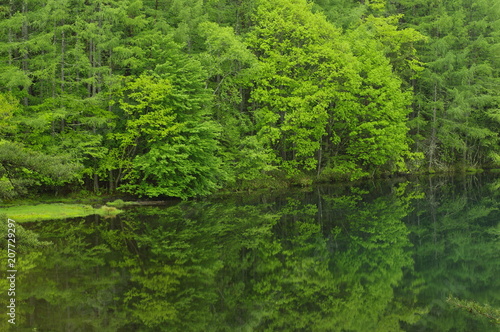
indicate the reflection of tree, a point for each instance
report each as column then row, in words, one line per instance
column 374, row 263
column 231, row 266
column 341, row 280
column 28, row 248
column 493, row 314
column 455, row 229
column 172, row 278
column 72, row 285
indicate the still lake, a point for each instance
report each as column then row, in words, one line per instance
column 373, row 256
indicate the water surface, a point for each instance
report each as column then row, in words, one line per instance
column 376, row 256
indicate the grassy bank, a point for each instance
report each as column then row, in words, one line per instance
column 25, row 213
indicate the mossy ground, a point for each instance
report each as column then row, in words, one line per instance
column 25, row 213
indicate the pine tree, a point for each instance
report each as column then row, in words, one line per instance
column 456, row 104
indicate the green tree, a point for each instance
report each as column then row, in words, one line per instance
column 168, row 144
column 456, row 105
column 324, row 100
column 22, row 168
column 66, row 60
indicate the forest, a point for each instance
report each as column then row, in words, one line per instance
column 183, row 98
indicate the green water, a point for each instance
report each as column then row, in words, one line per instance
column 378, row 256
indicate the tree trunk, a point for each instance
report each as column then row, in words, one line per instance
column 63, row 47
column 96, row 183
column 433, row 143
column 24, row 30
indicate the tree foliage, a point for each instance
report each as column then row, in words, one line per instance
column 248, row 94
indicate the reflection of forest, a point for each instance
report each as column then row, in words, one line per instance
column 374, row 258
column 455, row 232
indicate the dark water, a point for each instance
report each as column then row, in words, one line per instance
column 378, row 256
